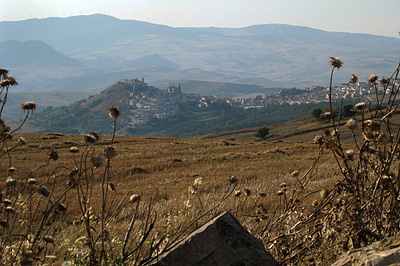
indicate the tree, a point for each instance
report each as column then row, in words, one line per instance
column 262, row 132
column 317, row 113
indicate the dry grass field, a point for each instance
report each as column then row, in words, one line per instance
column 165, row 171
column 311, row 191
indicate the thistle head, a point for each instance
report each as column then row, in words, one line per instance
column 8, row 82
column 336, row 62
column 3, row 73
column 109, row 152
column 351, row 124
column 113, row 112
column 354, row 79
column 97, row 161
column 372, row 79
column 28, row 106
column 359, row 106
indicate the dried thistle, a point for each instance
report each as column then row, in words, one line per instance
column 111, row 186
column 29, row 106
column 8, row 82
column 21, row 140
column 43, row 191
column 73, row 150
column 280, row 192
column 97, row 161
column 32, row 181
column 319, row 140
column 113, row 112
column 351, row 124
column 354, row 79
column 61, row 207
column 359, row 106
column 384, row 81
column 48, row 239
column 336, row 62
column 349, row 154
column 109, row 152
column 233, row 179
column 372, row 79
column 134, row 198
column 11, row 182
column 3, row 73
column 89, row 138
column 94, row 134
column 53, row 155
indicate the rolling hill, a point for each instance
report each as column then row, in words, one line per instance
column 109, row 48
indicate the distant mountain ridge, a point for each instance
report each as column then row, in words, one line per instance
column 277, row 55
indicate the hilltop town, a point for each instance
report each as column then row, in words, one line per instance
column 148, row 102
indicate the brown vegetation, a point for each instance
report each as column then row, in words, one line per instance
column 112, row 200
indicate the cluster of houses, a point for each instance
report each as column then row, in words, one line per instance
column 148, row 102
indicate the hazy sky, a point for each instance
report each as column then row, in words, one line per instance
column 380, row 17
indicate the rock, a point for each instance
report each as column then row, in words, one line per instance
column 381, row 253
column 223, row 241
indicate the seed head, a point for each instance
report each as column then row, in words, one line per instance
column 237, row 193
column 336, row 62
column 73, row 150
column 32, row 181
column 7, row 202
column 11, row 182
column 351, row 124
column 28, row 106
column 280, row 193
column 10, row 209
column 48, row 239
column 384, row 81
column 134, row 198
column 319, row 139
column 359, row 106
column 354, row 79
column 11, row 169
column 294, row 174
column 61, row 207
column 111, row 186
column 373, row 78
column 3, row 73
column 21, row 140
column 97, row 161
column 43, row 191
column 233, row 179
column 349, row 154
column 8, row 82
column 109, row 152
column 324, row 193
column 53, row 155
column 89, row 138
column 247, row 191
column 94, row 134
column 113, row 112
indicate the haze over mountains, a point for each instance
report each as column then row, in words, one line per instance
column 90, row 52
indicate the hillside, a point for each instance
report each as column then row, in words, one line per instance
column 270, row 55
column 148, row 110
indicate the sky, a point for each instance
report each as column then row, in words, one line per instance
column 379, row 17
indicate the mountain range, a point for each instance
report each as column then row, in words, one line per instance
column 90, row 52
